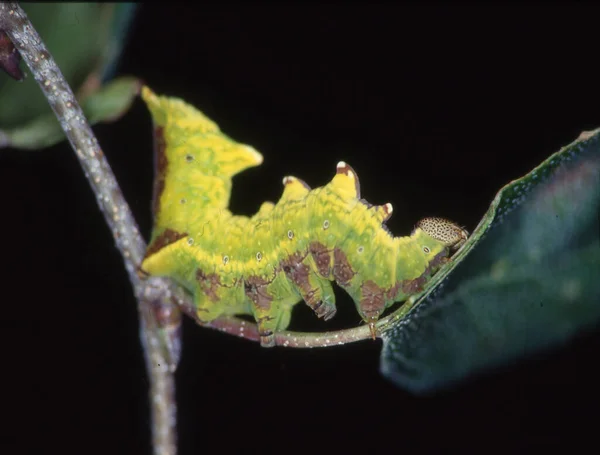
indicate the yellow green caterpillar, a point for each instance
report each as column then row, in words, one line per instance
column 287, row 252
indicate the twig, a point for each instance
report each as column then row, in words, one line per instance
column 117, row 214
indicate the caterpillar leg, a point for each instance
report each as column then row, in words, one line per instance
column 206, row 309
column 273, row 318
column 317, row 292
column 267, row 311
column 208, row 295
column 321, row 298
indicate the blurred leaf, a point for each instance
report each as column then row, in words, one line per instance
column 106, row 105
column 112, row 101
column 84, row 39
column 531, row 282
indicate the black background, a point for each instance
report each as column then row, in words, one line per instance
column 436, row 107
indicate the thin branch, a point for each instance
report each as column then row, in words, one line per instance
column 118, row 216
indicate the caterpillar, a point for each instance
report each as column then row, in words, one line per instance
column 287, row 252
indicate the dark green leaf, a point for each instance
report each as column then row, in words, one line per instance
column 527, row 279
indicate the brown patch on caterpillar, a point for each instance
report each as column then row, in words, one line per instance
column 209, row 283
column 372, row 304
column 393, row 291
column 439, row 259
column 322, row 258
column 326, row 312
column 256, row 290
column 372, row 301
column 166, row 238
column 414, row 286
column 299, row 274
column 160, row 163
column 344, row 168
column 342, row 271
column 294, row 268
column 373, row 297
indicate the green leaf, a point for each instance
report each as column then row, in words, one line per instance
column 85, row 39
column 106, row 105
column 112, row 100
column 527, row 279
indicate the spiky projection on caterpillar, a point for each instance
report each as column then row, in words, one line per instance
column 287, row 252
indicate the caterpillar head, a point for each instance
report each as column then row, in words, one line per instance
column 445, row 231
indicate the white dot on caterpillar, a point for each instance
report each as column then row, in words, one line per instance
column 326, row 224
column 290, row 234
column 190, row 241
column 426, row 250
column 225, row 259
column 360, row 249
column 258, row 256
